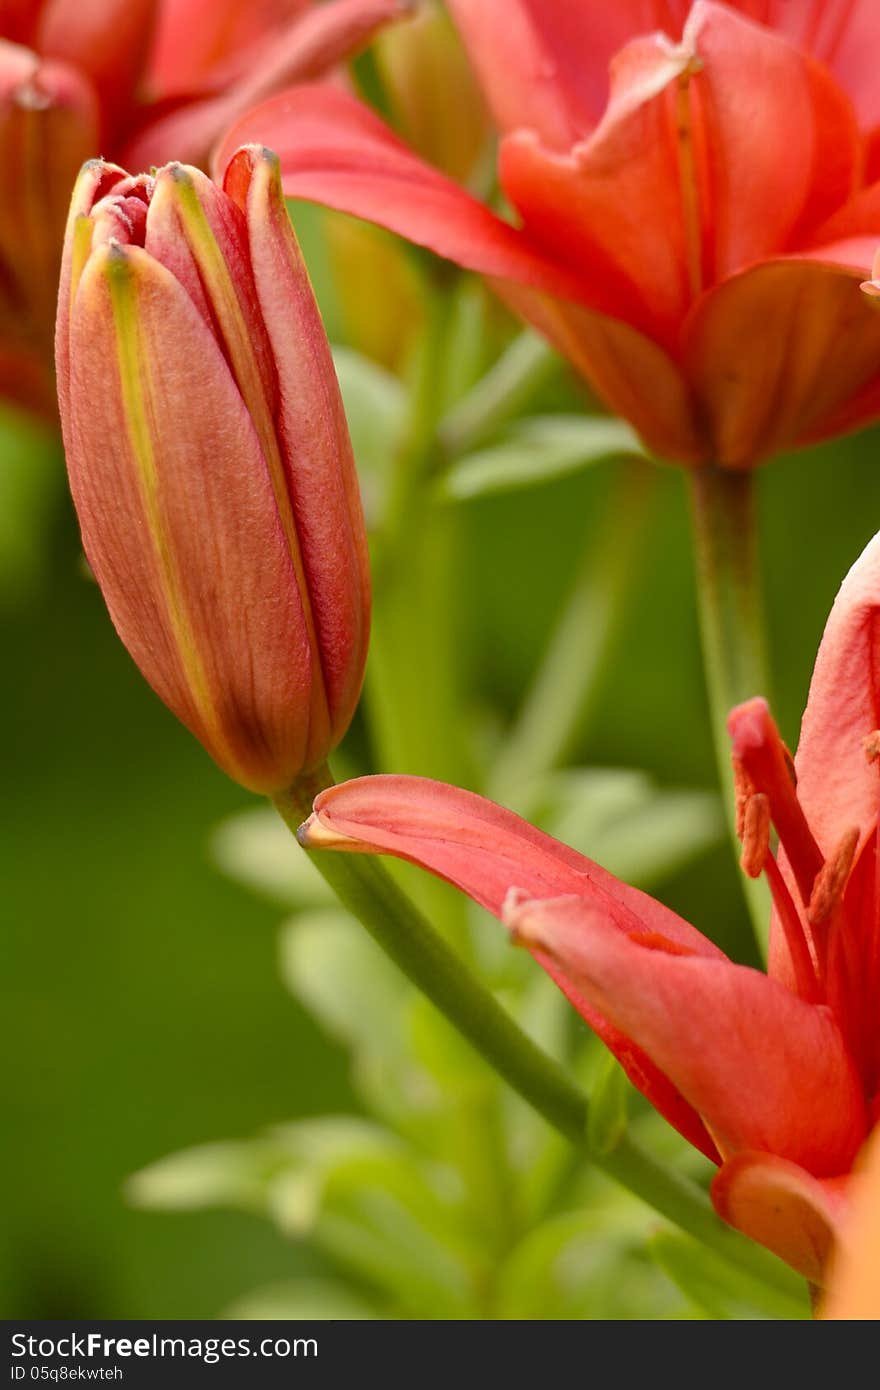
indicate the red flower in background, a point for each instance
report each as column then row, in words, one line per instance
column 693, row 229
column 775, row 1077
column 140, row 81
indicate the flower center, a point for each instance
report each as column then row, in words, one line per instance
column 826, row 904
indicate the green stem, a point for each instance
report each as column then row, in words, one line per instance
column 367, row 890
column 557, row 705
column 517, row 375
column 731, row 626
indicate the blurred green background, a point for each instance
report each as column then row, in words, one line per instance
column 142, row 1004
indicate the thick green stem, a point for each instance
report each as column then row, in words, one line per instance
column 557, row 705
column 368, row 891
column 731, row 625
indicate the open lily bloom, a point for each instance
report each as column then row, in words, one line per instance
column 141, row 81
column 774, row 1077
column 691, row 234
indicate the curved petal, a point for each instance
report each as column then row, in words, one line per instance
column 306, row 49
column 764, row 1070
column 854, row 1276
column 48, row 126
column 481, row 848
column 842, row 34
column 837, row 786
column 782, row 1206
column 223, row 644
column 106, row 39
column 785, row 353
column 633, row 374
column 678, row 187
column 198, row 40
column 334, row 150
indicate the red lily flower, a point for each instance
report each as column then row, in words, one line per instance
column 775, row 1077
column 144, row 82
column 692, row 234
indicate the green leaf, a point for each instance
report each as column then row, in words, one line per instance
column 341, row 976
column 375, row 406
column 607, row 1120
column 623, row 820
column 578, row 1265
column 719, row 1290
column 256, row 849
column 535, row 451
column 307, row 1299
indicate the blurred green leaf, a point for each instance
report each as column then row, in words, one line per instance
column 387, row 1222
column 333, row 967
column 629, row 825
column 578, row 1265
column 715, row 1288
column 535, row 451
column 278, row 1173
column 302, row 1299
column 375, row 406
column 607, row 1120
column 256, row 849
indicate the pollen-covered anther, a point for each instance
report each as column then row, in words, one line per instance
column 744, row 789
column 832, row 878
column 871, row 746
column 755, row 834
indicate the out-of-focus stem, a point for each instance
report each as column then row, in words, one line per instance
column 557, row 705
column 367, row 890
column 729, row 601
column 519, row 372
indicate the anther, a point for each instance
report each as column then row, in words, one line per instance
column 831, row 879
column 755, row 834
column 744, row 789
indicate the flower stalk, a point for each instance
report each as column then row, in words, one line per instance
column 367, row 890
column 731, row 621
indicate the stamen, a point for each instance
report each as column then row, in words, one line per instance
column 831, row 879
column 755, row 834
column 767, row 764
column 744, row 790
column 795, row 937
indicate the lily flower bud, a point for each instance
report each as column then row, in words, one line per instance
column 210, row 462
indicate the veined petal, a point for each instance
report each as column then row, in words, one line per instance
column 785, row 353
column 782, row 1206
column 182, row 529
column 763, row 1069
column 96, row 179
column 307, row 48
column 854, row 1276
column 837, row 786
column 316, row 453
column 481, row 848
column 334, row 150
